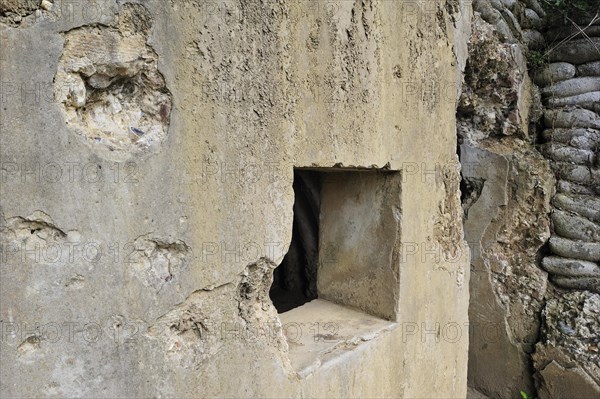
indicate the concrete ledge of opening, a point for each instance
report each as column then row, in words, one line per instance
column 320, row 332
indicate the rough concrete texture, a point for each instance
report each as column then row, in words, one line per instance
column 567, row 358
column 157, row 262
column 366, row 249
column 497, row 91
column 112, row 92
column 27, row 13
column 256, row 89
column 340, row 330
column 13, row 11
column 505, row 228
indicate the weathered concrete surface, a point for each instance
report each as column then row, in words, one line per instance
column 566, row 358
column 363, row 275
column 497, row 94
column 505, row 229
column 336, row 330
column 256, row 90
column 13, row 11
column 112, row 92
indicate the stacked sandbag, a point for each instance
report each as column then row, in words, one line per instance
column 570, row 89
column 566, row 359
column 514, row 21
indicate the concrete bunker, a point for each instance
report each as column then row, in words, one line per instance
column 345, row 240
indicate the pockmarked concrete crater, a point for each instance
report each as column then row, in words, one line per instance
column 110, row 89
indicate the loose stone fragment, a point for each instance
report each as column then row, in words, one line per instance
column 46, row 5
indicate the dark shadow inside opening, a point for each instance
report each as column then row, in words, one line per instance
column 295, row 279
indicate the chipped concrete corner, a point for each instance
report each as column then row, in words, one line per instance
column 198, row 328
column 147, row 152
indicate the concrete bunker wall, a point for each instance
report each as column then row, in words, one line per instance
column 187, row 232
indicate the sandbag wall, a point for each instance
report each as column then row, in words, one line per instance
column 567, row 359
column 570, row 88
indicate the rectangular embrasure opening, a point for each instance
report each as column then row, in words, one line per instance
column 339, row 281
column 346, row 231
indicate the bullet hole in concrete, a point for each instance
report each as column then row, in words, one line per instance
column 113, row 94
column 157, row 262
column 345, row 241
column 295, row 279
